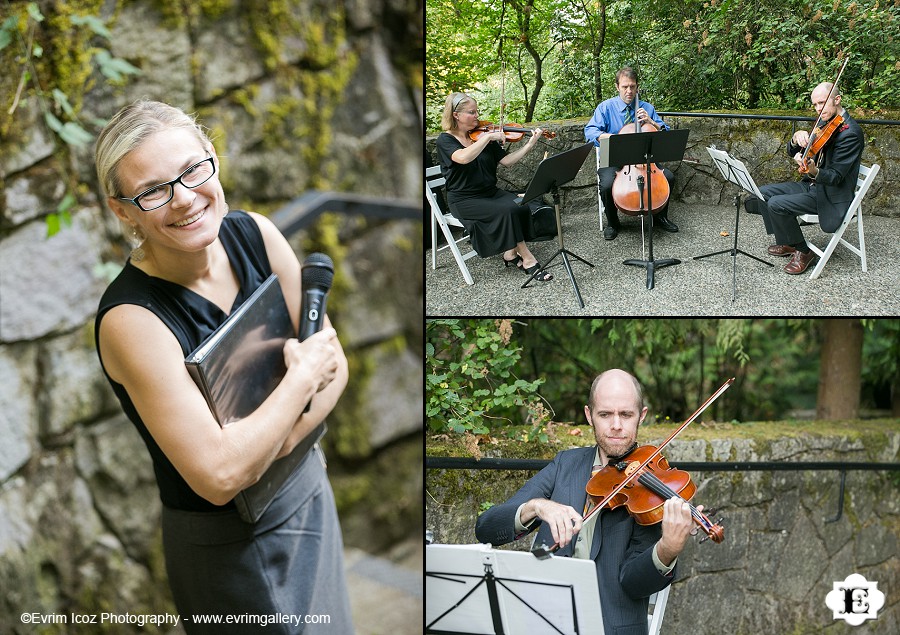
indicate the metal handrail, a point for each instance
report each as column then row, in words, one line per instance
column 717, row 115
column 302, row 211
column 488, row 463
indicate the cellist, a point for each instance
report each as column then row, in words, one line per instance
column 609, row 118
column 827, row 186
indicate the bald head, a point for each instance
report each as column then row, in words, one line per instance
column 826, row 108
column 615, row 380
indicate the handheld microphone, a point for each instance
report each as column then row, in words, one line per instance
column 316, row 277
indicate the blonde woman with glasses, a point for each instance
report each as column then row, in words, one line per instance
column 193, row 265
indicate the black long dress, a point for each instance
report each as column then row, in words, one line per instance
column 290, row 562
column 491, row 216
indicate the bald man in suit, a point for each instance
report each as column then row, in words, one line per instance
column 633, row 561
column 826, row 190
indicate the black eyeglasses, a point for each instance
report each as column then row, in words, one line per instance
column 158, row 195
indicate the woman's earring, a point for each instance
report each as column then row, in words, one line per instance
column 137, row 254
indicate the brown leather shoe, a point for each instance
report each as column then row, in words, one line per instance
column 781, row 250
column 799, row 262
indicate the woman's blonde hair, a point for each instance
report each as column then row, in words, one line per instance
column 128, row 129
column 452, row 105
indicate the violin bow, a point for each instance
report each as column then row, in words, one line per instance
column 831, row 94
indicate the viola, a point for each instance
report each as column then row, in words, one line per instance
column 646, row 493
column 632, row 187
column 513, row 131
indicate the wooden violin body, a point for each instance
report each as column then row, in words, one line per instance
column 630, row 189
column 644, row 495
column 818, row 139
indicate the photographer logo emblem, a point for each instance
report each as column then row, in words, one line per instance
column 855, row 600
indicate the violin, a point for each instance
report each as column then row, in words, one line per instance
column 513, row 131
column 821, row 135
column 645, row 494
column 817, row 140
column 631, row 187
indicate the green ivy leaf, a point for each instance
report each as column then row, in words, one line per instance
column 73, row 134
column 34, row 12
column 94, row 23
column 63, row 101
column 54, row 123
column 66, row 204
column 114, row 68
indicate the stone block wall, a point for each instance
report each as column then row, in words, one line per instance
column 780, row 555
column 297, row 96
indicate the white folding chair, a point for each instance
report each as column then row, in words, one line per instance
column 866, row 176
column 433, row 182
column 657, row 610
column 599, row 200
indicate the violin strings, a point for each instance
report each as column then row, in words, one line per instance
column 658, row 487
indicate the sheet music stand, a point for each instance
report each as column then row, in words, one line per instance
column 645, row 147
column 734, row 171
column 477, row 590
column 551, row 173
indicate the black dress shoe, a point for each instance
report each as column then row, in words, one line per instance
column 666, row 224
column 610, row 232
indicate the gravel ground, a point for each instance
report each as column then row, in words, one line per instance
column 694, row 287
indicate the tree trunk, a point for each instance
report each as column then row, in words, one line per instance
column 840, row 370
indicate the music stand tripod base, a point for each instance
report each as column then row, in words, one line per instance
column 551, row 173
column 565, row 253
column 735, row 172
column 651, row 265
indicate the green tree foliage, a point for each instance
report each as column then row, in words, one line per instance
column 692, row 55
column 469, row 377
column 482, row 375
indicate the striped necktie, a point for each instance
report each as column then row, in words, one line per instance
column 629, row 115
column 588, row 503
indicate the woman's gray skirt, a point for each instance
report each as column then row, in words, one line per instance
column 283, row 574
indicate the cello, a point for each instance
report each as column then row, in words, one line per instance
column 631, row 188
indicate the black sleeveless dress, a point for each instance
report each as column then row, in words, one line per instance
column 495, row 222
column 290, row 562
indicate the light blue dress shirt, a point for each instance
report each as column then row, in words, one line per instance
column 609, row 117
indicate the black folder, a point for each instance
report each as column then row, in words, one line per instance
column 237, row 367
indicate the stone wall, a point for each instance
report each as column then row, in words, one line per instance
column 298, row 96
column 760, row 144
column 779, row 558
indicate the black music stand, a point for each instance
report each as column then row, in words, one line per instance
column 645, row 147
column 476, row 590
column 551, row 173
column 734, row 171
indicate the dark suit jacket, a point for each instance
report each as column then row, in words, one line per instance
column 838, row 171
column 622, row 549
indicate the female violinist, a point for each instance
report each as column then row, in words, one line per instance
column 827, row 186
column 610, row 117
column 496, row 223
